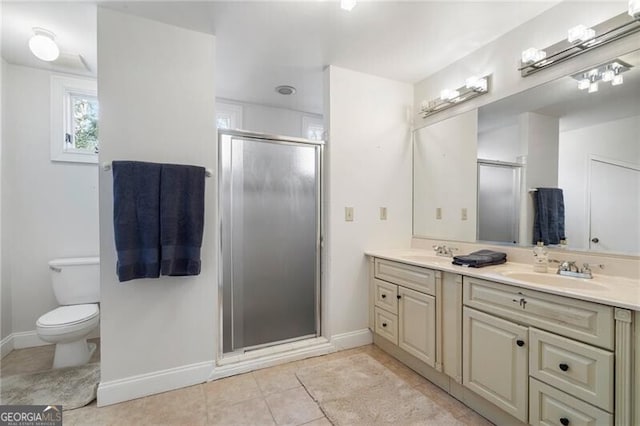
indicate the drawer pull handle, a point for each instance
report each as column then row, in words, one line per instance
column 384, row 324
column 564, row 421
column 563, row 367
column 384, row 296
column 520, row 342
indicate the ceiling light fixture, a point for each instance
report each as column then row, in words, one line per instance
column 347, row 4
column 286, row 90
column 581, row 39
column 473, row 87
column 43, row 45
column 608, row 72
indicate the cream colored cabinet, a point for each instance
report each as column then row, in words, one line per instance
column 494, row 361
column 404, row 310
column 417, row 324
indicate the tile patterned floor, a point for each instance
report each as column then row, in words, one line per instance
column 271, row 396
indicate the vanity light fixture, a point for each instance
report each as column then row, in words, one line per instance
column 43, row 45
column 347, row 5
column 608, row 72
column 581, row 39
column 634, row 8
column 473, row 87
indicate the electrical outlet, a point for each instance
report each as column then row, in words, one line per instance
column 463, row 213
column 383, row 213
column 438, row 213
column 348, row 214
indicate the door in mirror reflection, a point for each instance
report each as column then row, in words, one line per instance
column 498, row 202
column 615, row 207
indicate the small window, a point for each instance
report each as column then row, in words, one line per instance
column 74, row 120
column 228, row 116
column 312, row 128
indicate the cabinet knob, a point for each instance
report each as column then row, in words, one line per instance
column 595, row 240
column 399, row 297
column 384, row 296
column 384, row 324
column 564, row 421
column 520, row 342
column 563, row 367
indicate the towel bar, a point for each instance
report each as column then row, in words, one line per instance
column 107, row 166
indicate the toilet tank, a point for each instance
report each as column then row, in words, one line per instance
column 76, row 280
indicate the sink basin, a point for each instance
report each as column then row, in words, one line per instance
column 554, row 280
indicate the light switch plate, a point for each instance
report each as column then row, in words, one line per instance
column 383, row 213
column 463, row 213
column 348, row 214
column 438, row 213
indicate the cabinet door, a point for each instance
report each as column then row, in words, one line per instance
column 494, row 356
column 417, row 324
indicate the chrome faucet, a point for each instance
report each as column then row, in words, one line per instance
column 443, row 250
column 569, row 268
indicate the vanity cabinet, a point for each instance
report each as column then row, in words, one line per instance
column 494, row 360
column 405, row 308
column 545, row 359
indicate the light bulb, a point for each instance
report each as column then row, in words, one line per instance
column 533, row 55
column 608, row 75
column 617, row 80
column 347, row 4
column 584, row 84
column 43, row 45
column 634, row 8
column 593, row 87
column 580, row 33
column 477, row 84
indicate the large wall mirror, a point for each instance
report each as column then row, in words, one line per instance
column 475, row 174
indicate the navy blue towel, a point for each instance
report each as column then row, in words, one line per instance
column 181, row 218
column 548, row 224
column 136, row 219
column 480, row 258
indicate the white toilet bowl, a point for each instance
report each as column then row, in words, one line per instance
column 68, row 327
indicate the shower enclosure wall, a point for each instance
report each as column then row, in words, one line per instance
column 270, row 194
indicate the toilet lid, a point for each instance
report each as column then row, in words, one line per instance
column 67, row 315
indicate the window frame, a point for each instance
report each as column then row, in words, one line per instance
column 63, row 88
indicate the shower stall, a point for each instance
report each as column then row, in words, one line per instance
column 270, row 206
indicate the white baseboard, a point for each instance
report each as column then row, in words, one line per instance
column 27, row 339
column 6, row 346
column 152, row 383
column 320, row 346
column 352, row 339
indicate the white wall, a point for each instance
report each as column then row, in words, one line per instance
column 446, row 178
column 50, row 209
column 576, row 147
column 368, row 166
column 500, row 144
column 501, row 57
column 272, row 120
column 6, row 326
column 157, row 103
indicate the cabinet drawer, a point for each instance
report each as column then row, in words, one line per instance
column 549, row 406
column 416, row 278
column 581, row 370
column 386, row 325
column 386, row 295
column 585, row 321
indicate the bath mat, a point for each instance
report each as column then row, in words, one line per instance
column 358, row 390
column 71, row 387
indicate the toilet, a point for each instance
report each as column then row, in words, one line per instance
column 76, row 285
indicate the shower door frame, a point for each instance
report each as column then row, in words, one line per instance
column 284, row 140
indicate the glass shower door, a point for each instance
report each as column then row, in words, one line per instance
column 270, row 204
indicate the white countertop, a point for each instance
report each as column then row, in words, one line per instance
column 605, row 289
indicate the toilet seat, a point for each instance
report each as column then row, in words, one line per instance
column 69, row 315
